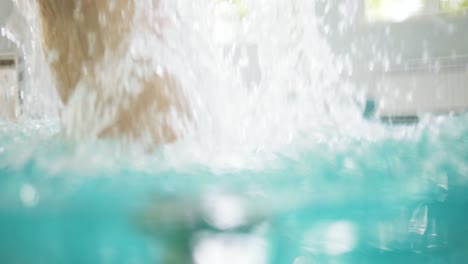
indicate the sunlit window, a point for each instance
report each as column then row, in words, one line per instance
column 453, row 5
column 400, row 10
column 393, row 10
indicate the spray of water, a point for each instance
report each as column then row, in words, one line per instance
column 259, row 76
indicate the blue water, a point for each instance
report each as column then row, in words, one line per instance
column 400, row 198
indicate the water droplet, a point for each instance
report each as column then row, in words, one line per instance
column 29, row 195
column 340, row 238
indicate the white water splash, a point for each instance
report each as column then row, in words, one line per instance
column 260, row 78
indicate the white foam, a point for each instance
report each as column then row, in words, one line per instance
column 292, row 100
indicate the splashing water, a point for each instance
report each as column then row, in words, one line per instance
column 254, row 87
column 260, row 78
column 273, row 110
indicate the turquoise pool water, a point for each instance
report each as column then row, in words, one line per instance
column 400, row 199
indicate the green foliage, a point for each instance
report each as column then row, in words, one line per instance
column 453, row 5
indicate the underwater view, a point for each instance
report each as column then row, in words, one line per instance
column 233, row 131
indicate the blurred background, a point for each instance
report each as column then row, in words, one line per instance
column 410, row 56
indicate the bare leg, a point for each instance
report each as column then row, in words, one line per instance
column 68, row 26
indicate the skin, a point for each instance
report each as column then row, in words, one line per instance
column 67, row 26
